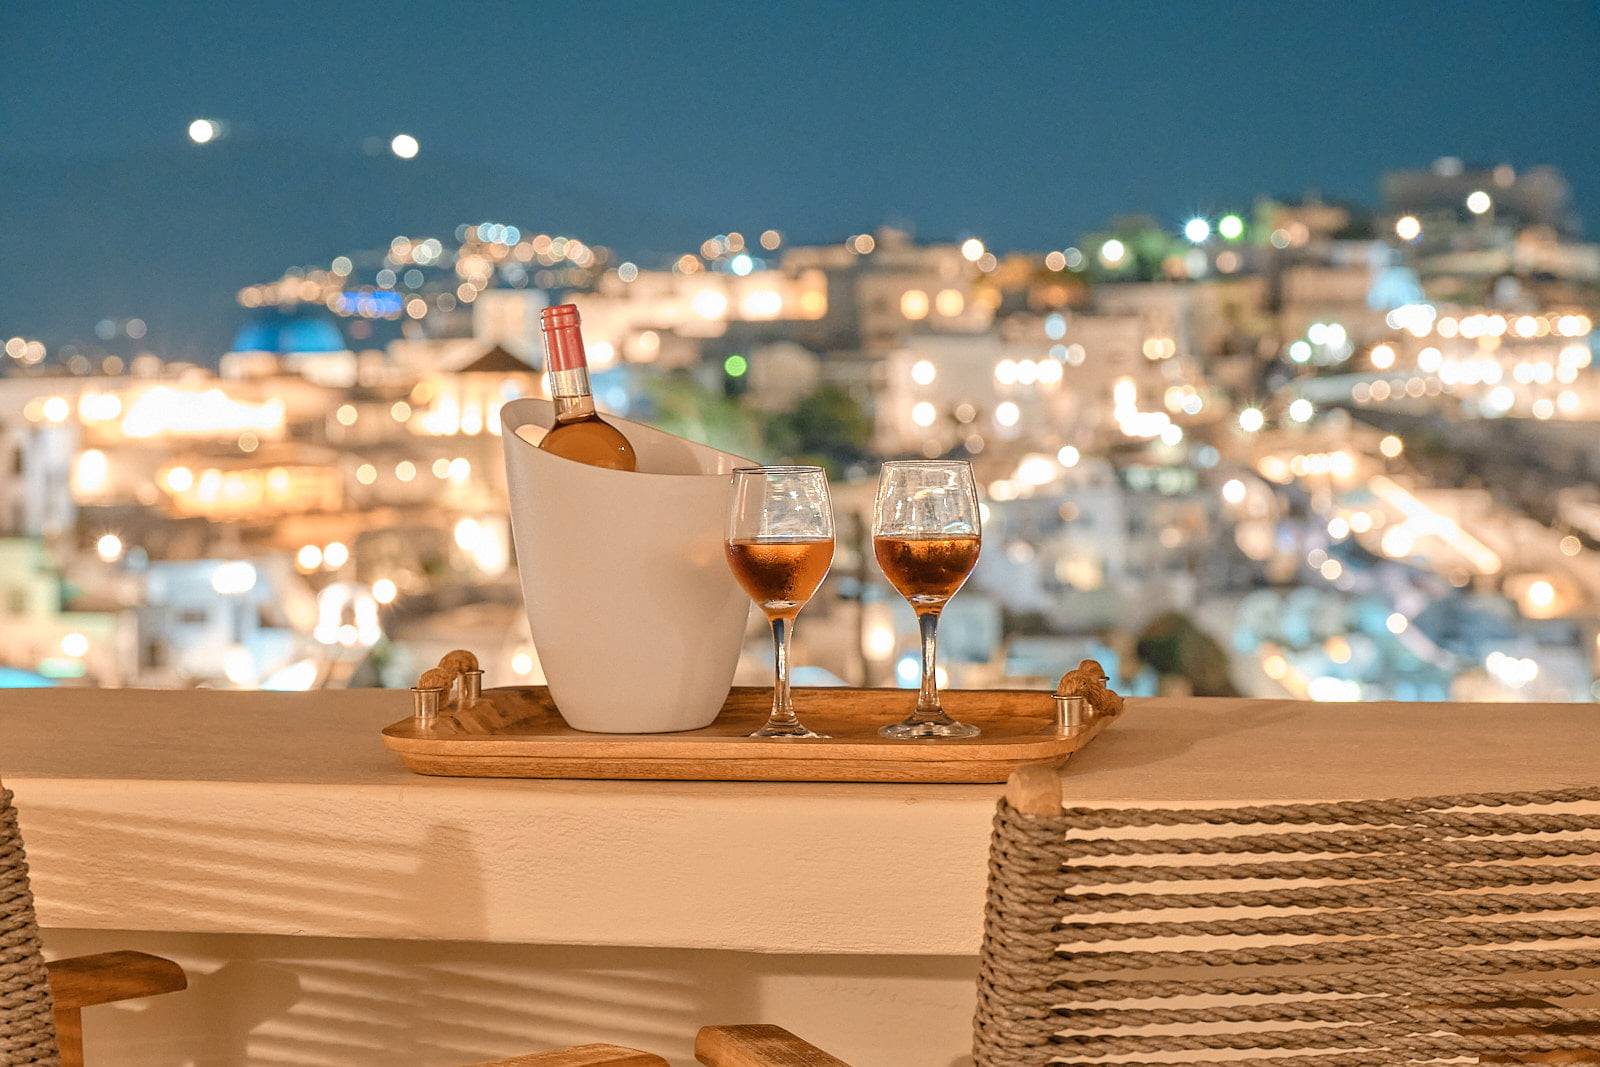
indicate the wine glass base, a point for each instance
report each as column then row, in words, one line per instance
column 791, row 730
column 911, row 730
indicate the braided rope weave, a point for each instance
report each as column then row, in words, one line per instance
column 1433, row 930
column 27, row 1032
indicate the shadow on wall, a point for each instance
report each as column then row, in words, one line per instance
column 211, row 872
column 408, row 1002
column 361, row 1003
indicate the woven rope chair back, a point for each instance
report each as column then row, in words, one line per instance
column 27, row 1032
column 1462, row 929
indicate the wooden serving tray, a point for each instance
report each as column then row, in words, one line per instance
column 516, row 733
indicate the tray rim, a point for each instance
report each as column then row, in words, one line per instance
column 696, row 746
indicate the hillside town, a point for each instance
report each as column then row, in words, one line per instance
column 1327, row 450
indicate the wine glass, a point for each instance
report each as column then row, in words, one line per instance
column 779, row 546
column 926, row 535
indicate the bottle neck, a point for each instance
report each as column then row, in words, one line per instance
column 569, row 370
column 569, row 389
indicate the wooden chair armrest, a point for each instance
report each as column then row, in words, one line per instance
column 583, row 1056
column 106, row 977
column 758, row 1046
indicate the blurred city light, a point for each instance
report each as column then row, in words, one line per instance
column 333, row 476
column 233, row 577
column 108, row 547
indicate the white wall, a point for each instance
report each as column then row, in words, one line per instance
column 363, row 1003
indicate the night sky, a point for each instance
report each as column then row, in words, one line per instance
column 1025, row 124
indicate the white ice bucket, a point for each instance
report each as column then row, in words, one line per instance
column 636, row 619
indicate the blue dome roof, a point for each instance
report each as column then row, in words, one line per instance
column 288, row 332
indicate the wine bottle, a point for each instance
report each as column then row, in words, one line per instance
column 579, row 433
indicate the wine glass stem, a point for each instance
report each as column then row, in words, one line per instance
column 928, row 698
column 782, row 706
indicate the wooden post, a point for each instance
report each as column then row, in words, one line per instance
column 1035, row 788
column 69, row 1035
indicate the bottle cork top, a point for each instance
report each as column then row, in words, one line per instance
column 563, row 341
column 558, row 317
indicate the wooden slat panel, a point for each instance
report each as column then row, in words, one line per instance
column 758, row 1046
column 583, row 1056
column 111, row 976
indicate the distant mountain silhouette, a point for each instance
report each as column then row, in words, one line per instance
column 170, row 234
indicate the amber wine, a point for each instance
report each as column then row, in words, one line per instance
column 780, row 575
column 927, row 571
